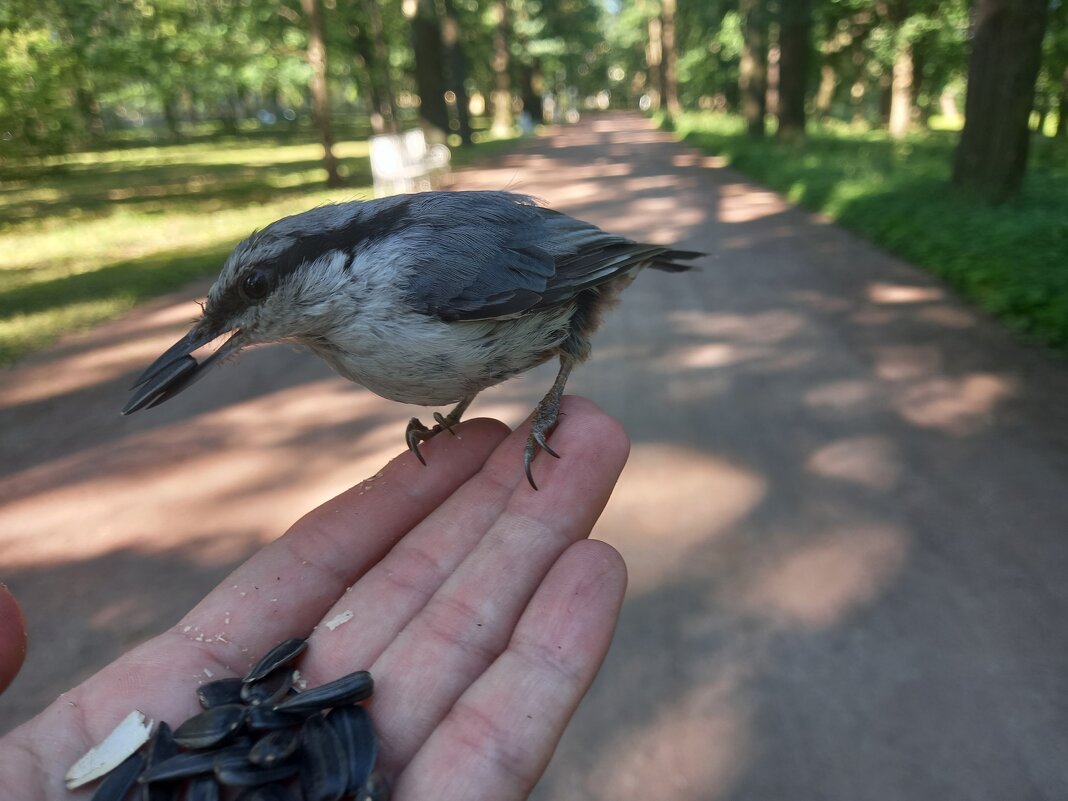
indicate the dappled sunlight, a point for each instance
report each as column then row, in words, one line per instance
column 693, row 158
column 767, row 327
column 108, row 358
column 818, row 583
column 694, row 748
column 957, row 406
column 706, row 495
column 880, row 292
column 844, row 397
column 741, row 204
column 248, row 478
column 866, row 461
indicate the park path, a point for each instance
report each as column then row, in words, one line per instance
column 845, row 514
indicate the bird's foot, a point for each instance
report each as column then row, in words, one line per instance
column 416, row 432
column 545, row 416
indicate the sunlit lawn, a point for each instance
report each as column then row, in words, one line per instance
column 1012, row 259
column 85, row 237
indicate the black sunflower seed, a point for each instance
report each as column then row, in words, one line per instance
column 350, row 689
column 121, row 780
column 219, row 692
column 275, row 747
column 203, row 788
column 324, row 771
column 375, row 789
column 269, row 690
column 353, row 727
column 191, row 763
column 266, row 792
column 211, row 727
column 264, row 718
column 160, row 748
column 279, row 656
column 236, row 771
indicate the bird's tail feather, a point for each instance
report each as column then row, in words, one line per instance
column 668, row 260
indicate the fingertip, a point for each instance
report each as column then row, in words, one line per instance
column 13, row 638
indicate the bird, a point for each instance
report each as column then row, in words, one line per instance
column 425, row 298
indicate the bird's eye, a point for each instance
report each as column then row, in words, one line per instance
column 255, row 285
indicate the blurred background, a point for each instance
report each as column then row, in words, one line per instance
column 845, row 511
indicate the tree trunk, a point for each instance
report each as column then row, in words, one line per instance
column 503, row 122
column 753, row 69
column 795, row 29
column 380, row 67
column 1062, row 108
column 430, row 69
column 670, row 71
column 319, row 93
column 530, row 83
column 901, row 94
column 654, row 55
column 825, row 92
column 456, row 62
column 1006, row 51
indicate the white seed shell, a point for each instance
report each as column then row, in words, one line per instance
column 112, row 751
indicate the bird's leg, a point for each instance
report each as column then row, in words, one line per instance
column 417, row 432
column 545, row 415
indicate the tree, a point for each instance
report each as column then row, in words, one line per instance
column 991, row 156
column 319, row 92
column 671, row 58
column 502, row 90
column 429, row 67
column 753, row 69
column 456, row 62
column 795, row 34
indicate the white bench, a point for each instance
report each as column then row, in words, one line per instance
column 407, row 163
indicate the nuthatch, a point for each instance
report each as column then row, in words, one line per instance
column 425, row 299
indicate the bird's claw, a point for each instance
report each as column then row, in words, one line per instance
column 535, row 442
column 442, row 423
column 415, row 433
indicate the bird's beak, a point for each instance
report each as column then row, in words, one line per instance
column 176, row 369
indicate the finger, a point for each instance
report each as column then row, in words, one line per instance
column 280, row 592
column 12, row 637
column 470, row 619
column 368, row 617
column 497, row 739
column 285, row 589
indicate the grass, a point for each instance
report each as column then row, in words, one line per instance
column 87, row 236
column 1012, row 260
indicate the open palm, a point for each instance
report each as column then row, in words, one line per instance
column 476, row 603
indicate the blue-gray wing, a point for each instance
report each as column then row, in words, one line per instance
column 485, row 255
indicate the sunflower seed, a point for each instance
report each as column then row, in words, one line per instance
column 269, row 690
column 191, row 763
column 349, row 689
column 121, row 780
column 376, row 789
column 324, row 771
column 203, row 788
column 266, row 792
column 264, row 718
column 159, row 749
column 274, row 747
column 217, row 693
column 211, row 727
column 279, row 656
column 353, row 727
column 235, row 770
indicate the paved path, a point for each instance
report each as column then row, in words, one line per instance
column 845, row 515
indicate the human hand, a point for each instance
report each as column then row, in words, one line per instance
column 478, row 606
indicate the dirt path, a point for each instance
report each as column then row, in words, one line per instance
column 845, row 515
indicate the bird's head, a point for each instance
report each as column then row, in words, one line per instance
column 284, row 283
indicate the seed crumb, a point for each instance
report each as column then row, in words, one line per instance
column 339, row 619
column 187, row 629
column 208, row 673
